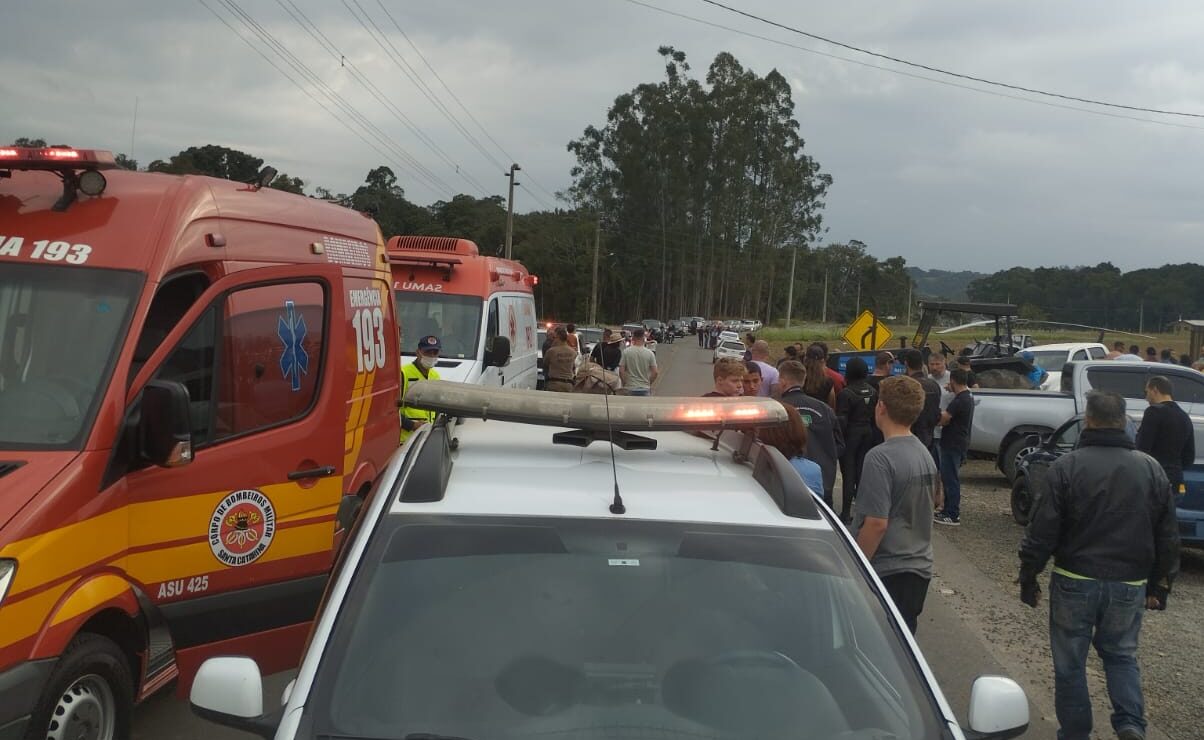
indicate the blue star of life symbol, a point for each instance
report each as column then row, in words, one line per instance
column 294, row 362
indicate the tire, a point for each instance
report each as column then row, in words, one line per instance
column 1015, row 449
column 1022, row 501
column 89, row 695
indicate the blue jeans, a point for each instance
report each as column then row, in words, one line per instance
column 639, row 391
column 951, row 459
column 1106, row 614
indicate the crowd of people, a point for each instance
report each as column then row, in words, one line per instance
column 1167, row 356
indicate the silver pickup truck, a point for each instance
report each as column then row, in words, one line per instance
column 1004, row 420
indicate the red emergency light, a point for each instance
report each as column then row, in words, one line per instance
column 79, row 169
column 55, row 158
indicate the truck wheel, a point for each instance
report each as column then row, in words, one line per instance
column 90, row 694
column 1022, row 501
column 1012, row 454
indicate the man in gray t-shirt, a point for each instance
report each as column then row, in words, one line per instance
column 637, row 367
column 892, row 518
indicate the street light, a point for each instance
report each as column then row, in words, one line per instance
column 510, row 211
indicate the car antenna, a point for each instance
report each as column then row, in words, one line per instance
column 616, row 507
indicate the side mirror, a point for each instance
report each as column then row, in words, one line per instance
column 349, row 511
column 164, row 424
column 497, row 354
column 998, row 709
column 229, row 691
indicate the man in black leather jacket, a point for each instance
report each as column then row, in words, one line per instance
column 1108, row 520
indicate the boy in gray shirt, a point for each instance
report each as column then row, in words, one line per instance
column 892, row 519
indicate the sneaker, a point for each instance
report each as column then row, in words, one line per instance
column 1129, row 733
column 947, row 520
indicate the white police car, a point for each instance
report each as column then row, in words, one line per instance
column 509, row 578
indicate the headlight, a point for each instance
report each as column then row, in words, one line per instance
column 8, row 569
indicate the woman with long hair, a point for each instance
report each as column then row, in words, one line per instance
column 790, row 439
column 818, row 385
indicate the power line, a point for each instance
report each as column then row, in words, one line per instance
column 456, row 98
column 362, row 79
column 395, row 56
column 283, row 52
column 337, row 101
column 939, row 70
column 300, row 86
column 904, row 73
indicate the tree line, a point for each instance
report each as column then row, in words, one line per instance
column 1147, row 300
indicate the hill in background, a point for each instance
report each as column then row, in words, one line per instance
column 950, row 286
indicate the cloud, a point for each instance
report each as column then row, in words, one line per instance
column 944, row 176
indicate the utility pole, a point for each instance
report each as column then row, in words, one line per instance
column 858, row 311
column 909, row 284
column 1141, row 317
column 510, row 212
column 824, row 317
column 790, row 291
column 593, row 297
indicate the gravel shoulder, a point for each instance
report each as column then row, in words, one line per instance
column 1171, row 655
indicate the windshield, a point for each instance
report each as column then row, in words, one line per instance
column 455, row 319
column 734, row 346
column 60, row 332
column 1051, row 361
column 522, row 628
column 590, row 336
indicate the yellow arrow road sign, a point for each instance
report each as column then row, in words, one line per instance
column 866, row 332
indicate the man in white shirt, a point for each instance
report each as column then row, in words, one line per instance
column 769, row 373
column 638, row 367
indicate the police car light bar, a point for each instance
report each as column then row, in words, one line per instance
column 589, row 411
column 55, row 158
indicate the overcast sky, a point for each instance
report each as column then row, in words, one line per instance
column 947, row 177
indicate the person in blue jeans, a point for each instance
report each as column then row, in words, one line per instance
column 1108, row 520
column 956, row 421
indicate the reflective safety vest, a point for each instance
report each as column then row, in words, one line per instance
column 411, row 374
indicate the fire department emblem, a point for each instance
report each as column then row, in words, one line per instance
column 242, row 528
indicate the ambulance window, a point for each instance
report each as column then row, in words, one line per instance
column 491, row 326
column 192, row 364
column 170, row 303
column 272, row 342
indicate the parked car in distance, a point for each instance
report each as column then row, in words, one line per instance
column 729, row 336
column 656, row 328
column 589, row 336
column 1053, row 357
column 731, row 349
column 1032, row 469
column 1005, row 420
column 649, row 340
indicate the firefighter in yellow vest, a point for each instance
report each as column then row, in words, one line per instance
column 422, row 368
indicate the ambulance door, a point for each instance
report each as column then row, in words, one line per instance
column 492, row 376
column 524, row 357
column 238, row 541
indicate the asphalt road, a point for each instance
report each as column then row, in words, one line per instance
column 951, row 632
